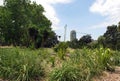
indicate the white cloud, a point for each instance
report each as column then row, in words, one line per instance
column 102, row 25
column 1, row 2
column 50, row 11
column 110, row 9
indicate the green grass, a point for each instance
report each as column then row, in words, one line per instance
column 23, row 64
column 84, row 64
column 20, row 65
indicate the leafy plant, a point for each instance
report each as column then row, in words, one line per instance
column 61, row 49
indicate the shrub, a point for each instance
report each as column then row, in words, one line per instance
column 116, row 58
column 67, row 72
column 104, row 58
column 61, row 49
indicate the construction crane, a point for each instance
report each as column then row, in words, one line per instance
column 83, row 33
column 65, row 27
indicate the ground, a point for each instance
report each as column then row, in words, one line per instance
column 106, row 76
column 109, row 76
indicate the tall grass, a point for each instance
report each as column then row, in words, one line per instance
column 20, row 65
column 66, row 73
column 84, row 64
column 116, row 57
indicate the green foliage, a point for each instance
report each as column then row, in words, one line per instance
column 52, row 60
column 61, row 49
column 23, row 23
column 86, row 60
column 111, row 38
column 80, row 67
column 85, row 64
column 20, row 65
column 116, row 57
column 101, row 41
column 84, row 41
column 66, row 73
column 92, row 45
column 119, row 26
column 105, row 59
column 74, row 44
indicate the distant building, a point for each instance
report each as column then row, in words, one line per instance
column 72, row 35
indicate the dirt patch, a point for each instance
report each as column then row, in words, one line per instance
column 6, row 46
column 109, row 76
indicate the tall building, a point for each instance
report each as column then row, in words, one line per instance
column 72, row 35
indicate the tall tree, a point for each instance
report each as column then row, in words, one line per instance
column 84, row 40
column 23, row 23
column 112, row 37
column 119, row 26
column 101, row 41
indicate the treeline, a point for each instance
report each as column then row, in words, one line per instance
column 23, row 23
column 110, row 39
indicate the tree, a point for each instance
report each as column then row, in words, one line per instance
column 119, row 26
column 84, row 40
column 5, row 21
column 101, row 41
column 23, row 23
column 18, row 18
column 74, row 44
column 111, row 36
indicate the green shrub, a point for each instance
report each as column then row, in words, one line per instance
column 61, row 49
column 104, row 58
column 116, row 58
column 68, row 72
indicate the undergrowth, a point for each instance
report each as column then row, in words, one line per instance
column 17, row 64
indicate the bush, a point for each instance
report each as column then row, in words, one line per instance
column 61, row 49
column 67, row 73
column 116, row 58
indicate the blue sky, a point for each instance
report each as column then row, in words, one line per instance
column 84, row 16
column 78, row 17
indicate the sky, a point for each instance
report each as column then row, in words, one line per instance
column 84, row 16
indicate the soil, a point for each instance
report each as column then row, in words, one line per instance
column 106, row 76
column 109, row 76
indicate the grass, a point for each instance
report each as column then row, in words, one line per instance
column 84, row 64
column 22, row 64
